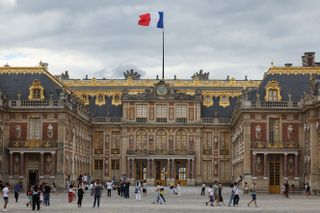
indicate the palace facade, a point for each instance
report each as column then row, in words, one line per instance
column 167, row 130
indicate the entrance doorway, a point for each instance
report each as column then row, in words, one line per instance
column 161, row 172
column 33, row 177
column 274, row 168
column 141, row 170
column 181, row 172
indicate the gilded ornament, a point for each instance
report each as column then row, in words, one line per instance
column 36, row 91
column 272, row 85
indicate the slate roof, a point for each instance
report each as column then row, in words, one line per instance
column 217, row 110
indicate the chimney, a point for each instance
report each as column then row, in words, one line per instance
column 288, row 65
column 308, row 59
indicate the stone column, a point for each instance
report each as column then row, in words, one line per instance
column 53, row 164
column 21, row 164
column 265, row 166
column 296, row 166
column 285, row 166
column 128, row 170
column 168, row 169
column 173, row 170
column 148, row 168
column 188, row 168
column 11, row 164
column 133, row 169
column 41, row 165
column 254, row 165
column 193, row 168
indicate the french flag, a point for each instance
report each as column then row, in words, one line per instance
column 147, row 18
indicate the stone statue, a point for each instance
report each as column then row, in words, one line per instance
column 50, row 131
column 131, row 74
column 200, row 75
column 290, row 131
column 258, row 132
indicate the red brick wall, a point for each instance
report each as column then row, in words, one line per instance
column 23, row 136
column 263, row 131
column 45, row 131
column 285, row 137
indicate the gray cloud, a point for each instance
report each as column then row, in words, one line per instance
column 235, row 38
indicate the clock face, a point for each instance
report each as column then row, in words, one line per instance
column 162, row 90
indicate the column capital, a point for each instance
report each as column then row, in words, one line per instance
column 285, row 154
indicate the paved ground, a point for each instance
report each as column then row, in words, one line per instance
column 189, row 201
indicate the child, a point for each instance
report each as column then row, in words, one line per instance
column 29, row 196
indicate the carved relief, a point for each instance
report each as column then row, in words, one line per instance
column 290, row 132
column 18, row 132
column 259, row 164
column 191, row 143
column 16, row 165
column 258, row 132
column 48, row 164
column 131, row 142
column 171, row 113
column 106, row 164
column 151, row 142
column 50, row 131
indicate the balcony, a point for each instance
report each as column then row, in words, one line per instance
column 107, row 119
column 269, row 145
column 141, row 120
column 33, row 144
column 159, row 152
column 211, row 120
column 26, row 104
column 268, row 104
column 181, row 120
column 161, row 120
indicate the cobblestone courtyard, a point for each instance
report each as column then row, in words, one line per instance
column 189, row 201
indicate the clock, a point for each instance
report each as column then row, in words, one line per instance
column 162, row 90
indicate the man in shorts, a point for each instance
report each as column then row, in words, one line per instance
column 5, row 194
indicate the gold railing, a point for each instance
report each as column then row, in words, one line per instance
column 268, row 145
column 33, row 143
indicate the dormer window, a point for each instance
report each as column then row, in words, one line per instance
column 36, row 91
column 272, row 91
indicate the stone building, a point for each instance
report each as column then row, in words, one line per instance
column 167, row 130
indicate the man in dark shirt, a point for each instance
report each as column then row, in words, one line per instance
column 97, row 194
column 46, row 194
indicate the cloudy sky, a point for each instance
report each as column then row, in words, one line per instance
column 102, row 38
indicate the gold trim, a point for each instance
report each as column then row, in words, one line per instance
column 272, row 85
column 224, row 103
column 207, row 101
column 101, row 101
column 36, row 84
column 293, row 70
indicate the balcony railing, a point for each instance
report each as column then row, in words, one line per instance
column 107, row 119
column 161, row 120
column 211, row 120
column 181, row 120
column 269, row 145
column 159, row 152
column 33, row 143
column 35, row 104
column 141, row 120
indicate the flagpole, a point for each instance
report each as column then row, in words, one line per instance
column 162, row 54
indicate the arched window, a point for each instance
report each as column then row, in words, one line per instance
column 273, row 95
column 273, row 91
column 161, row 140
column 141, row 140
column 181, row 140
column 36, row 91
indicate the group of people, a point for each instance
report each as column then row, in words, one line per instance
column 215, row 194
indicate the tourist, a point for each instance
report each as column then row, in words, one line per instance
column 46, row 193
column 144, row 188
column 236, row 195
column 307, row 191
column 126, row 189
column 221, row 202
column 231, row 194
column 5, row 194
column 216, row 192
column 211, row 196
column 253, row 195
column 137, row 191
column 178, row 187
column 54, row 187
column 203, row 189
column 35, row 198
column 161, row 194
column 29, row 197
column 286, row 192
column 157, row 193
column 80, row 193
column 71, row 194
column 17, row 189
column 283, row 189
column 97, row 194
column 109, row 188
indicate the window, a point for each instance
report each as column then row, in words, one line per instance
column 224, row 171
column 207, row 143
column 98, row 164
column 224, row 144
column 274, row 133
column 98, row 142
column 142, row 140
column 181, row 111
column 115, row 164
column 161, row 140
column 273, row 95
column 115, row 142
column 181, row 140
column 207, row 170
column 161, row 111
column 142, row 111
column 36, row 94
column 35, row 128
